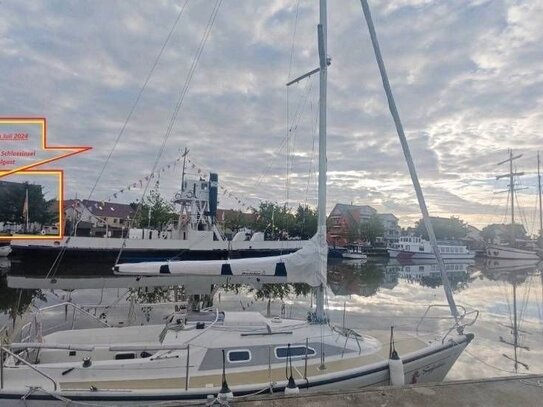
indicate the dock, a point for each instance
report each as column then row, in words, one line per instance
column 522, row 391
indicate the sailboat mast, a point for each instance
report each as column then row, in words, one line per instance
column 512, row 194
column 511, row 175
column 185, row 153
column 409, row 159
column 515, row 324
column 539, row 190
column 322, row 119
column 321, row 232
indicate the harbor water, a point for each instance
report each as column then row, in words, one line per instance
column 377, row 294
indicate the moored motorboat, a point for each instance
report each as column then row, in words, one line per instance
column 355, row 252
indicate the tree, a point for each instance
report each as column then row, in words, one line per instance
column 161, row 211
column 305, row 224
column 13, row 198
column 235, row 220
column 273, row 219
column 371, row 229
column 502, row 232
column 272, row 291
column 444, row 228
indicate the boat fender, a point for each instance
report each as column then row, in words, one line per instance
column 291, row 388
column 395, row 366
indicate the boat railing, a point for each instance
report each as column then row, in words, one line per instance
column 465, row 319
column 13, row 347
column 4, row 351
column 34, row 328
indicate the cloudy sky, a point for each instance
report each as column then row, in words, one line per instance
column 467, row 77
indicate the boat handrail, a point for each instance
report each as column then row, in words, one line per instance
column 435, row 306
column 76, row 307
column 90, row 348
column 24, row 362
column 459, row 325
column 141, row 304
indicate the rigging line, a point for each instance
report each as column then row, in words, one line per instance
column 278, row 150
column 287, row 96
column 298, row 118
column 533, row 228
column 60, row 256
column 180, row 100
column 287, row 112
column 504, row 221
column 520, row 212
column 140, row 93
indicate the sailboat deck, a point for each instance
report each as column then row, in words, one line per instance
column 405, row 344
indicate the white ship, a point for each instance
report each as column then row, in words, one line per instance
column 195, row 235
column 412, row 247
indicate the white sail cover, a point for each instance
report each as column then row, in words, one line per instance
column 307, row 265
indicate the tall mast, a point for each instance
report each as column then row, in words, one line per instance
column 539, row 190
column 512, row 193
column 185, row 153
column 410, row 164
column 511, row 175
column 324, row 61
column 321, row 231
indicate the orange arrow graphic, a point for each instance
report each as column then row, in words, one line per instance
column 67, row 151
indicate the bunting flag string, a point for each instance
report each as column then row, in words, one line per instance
column 240, row 201
column 139, row 183
column 172, row 165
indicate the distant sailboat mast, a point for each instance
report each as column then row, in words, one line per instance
column 511, row 175
column 539, row 190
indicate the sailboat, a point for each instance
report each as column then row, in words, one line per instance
column 512, row 251
column 220, row 355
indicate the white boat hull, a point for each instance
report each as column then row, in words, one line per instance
column 427, row 365
column 403, row 254
column 510, row 253
column 354, row 256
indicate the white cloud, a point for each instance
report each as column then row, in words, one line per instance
column 467, row 78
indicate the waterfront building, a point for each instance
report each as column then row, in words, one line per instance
column 344, row 220
column 392, row 229
column 95, row 218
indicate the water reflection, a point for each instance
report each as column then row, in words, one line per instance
column 509, row 295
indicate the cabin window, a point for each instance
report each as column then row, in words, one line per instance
column 421, row 248
column 295, row 352
column 123, row 356
column 72, row 353
column 238, row 356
